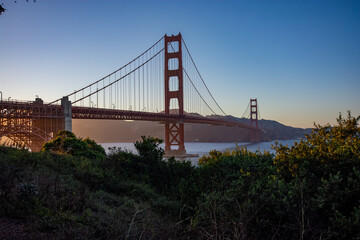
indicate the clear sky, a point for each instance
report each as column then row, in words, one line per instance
column 299, row 58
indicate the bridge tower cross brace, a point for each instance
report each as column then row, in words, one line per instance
column 174, row 131
column 254, row 121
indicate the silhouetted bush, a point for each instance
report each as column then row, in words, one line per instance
column 65, row 142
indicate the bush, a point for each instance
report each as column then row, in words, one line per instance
column 57, row 194
column 308, row 191
column 72, row 191
column 65, row 142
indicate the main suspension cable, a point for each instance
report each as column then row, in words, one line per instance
column 110, row 73
column 198, row 92
column 246, row 110
column 202, row 78
column 128, row 74
column 193, row 83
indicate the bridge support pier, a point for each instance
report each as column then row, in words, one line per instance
column 174, row 136
column 66, row 106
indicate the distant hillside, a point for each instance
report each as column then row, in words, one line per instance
column 129, row 131
column 273, row 130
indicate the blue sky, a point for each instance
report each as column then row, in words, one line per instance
column 301, row 59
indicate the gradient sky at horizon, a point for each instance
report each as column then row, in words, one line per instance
column 299, row 58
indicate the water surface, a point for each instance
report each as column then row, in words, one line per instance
column 202, row 148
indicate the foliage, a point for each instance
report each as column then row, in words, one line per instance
column 327, row 165
column 61, row 196
column 149, row 148
column 2, row 9
column 323, row 150
column 238, row 196
column 65, row 142
column 171, row 178
column 308, row 191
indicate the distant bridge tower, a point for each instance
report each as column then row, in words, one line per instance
column 254, row 120
column 174, row 131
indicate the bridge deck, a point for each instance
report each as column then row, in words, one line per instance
column 100, row 113
column 16, row 109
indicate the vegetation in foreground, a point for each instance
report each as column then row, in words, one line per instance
column 73, row 190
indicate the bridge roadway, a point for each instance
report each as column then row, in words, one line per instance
column 34, row 110
column 100, row 113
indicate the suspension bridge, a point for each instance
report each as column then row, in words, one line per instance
column 162, row 84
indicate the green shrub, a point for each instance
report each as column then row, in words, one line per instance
column 308, row 191
column 72, row 190
column 65, row 142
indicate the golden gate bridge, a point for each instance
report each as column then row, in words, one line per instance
column 162, row 84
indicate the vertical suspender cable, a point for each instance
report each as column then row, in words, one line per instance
column 130, row 90
column 90, row 98
column 143, row 93
column 146, row 85
column 110, row 100
column 135, row 104
column 115, row 91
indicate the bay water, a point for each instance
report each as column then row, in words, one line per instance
column 203, row 148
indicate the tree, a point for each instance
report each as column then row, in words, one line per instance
column 65, row 142
column 325, row 149
column 2, row 9
column 324, row 170
column 149, row 148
